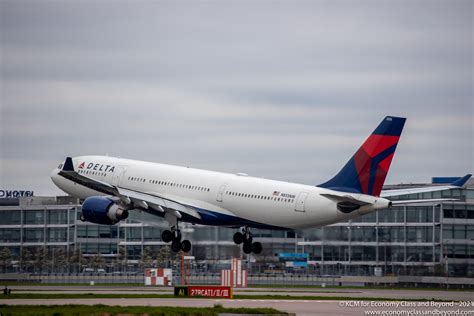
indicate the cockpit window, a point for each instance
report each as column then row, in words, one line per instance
column 60, row 166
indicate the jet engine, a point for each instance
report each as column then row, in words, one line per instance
column 102, row 210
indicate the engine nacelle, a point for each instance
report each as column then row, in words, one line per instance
column 102, row 210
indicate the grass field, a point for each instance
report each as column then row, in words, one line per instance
column 93, row 310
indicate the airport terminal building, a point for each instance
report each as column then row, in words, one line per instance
column 422, row 239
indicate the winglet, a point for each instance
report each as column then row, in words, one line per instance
column 68, row 165
column 460, row 182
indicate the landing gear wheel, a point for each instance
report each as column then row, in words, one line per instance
column 176, row 246
column 186, row 245
column 167, row 236
column 238, row 238
column 247, row 247
column 256, row 248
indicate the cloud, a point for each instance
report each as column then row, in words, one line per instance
column 287, row 91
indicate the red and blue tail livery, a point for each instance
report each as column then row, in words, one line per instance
column 366, row 171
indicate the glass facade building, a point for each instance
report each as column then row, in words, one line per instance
column 421, row 239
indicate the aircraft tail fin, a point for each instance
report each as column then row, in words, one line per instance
column 366, row 171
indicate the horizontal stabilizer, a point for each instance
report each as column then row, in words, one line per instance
column 455, row 185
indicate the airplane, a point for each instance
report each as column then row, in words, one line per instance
column 111, row 187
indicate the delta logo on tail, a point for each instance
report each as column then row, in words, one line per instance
column 366, row 171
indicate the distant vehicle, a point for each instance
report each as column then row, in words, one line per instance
column 100, row 270
column 88, row 270
column 113, row 186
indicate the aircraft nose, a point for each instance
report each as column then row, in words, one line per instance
column 55, row 176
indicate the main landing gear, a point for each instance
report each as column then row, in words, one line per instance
column 174, row 235
column 245, row 237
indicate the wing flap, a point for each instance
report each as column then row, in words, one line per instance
column 160, row 201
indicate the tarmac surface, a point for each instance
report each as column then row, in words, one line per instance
column 298, row 307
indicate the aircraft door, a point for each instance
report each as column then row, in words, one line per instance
column 220, row 194
column 300, row 202
column 118, row 174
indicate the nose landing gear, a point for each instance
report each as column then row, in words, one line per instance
column 246, row 238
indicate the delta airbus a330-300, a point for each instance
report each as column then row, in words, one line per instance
column 111, row 187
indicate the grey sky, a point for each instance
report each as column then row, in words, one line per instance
column 280, row 89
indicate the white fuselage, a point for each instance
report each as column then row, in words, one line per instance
column 275, row 204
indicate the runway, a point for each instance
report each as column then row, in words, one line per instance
column 298, row 307
column 410, row 294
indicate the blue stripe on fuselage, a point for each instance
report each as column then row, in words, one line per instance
column 218, row 219
column 213, row 218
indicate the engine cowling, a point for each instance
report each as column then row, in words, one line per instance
column 102, row 210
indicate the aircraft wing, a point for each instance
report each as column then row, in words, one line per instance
column 397, row 192
column 156, row 201
column 139, row 199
